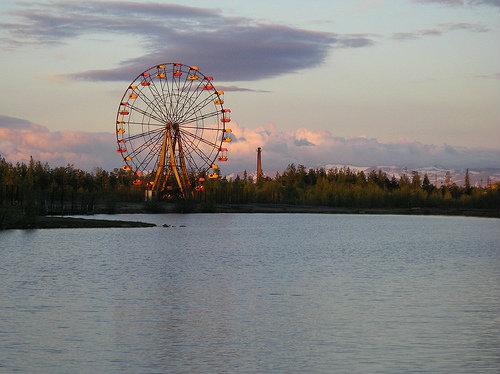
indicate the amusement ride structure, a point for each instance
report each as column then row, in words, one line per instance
column 171, row 129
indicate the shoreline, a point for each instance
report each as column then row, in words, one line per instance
column 52, row 222
column 166, row 208
column 63, row 222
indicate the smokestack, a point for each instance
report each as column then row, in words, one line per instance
column 259, row 164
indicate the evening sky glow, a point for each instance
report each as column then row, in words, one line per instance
column 415, row 77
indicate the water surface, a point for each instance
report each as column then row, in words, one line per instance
column 254, row 293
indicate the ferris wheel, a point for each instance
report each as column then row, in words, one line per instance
column 171, row 129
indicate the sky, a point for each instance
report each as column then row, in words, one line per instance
column 364, row 82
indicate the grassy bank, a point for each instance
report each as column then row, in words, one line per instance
column 16, row 220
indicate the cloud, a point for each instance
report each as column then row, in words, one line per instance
column 240, row 89
column 302, row 142
column 441, row 2
column 317, row 148
column 440, row 30
column 489, row 76
column 20, row 139
column 231, row 48
column 460, row 2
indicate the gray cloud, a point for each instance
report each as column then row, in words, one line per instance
column 232, row 48
column 8, row 122
column 240, row 89
column 302, row 142
column 489, row 76
column 440, row 30
column 460, row 2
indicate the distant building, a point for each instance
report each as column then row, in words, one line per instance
column 259, row 164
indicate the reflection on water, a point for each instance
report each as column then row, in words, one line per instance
column 254, row 293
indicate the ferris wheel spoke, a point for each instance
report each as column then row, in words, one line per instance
column 144, row 145
column 202, row 128
column 198, row 151
column 192, row 105
column 196, row 92
column 198, row 118
column 161, row 103
column 145, row 124
column 208, row 142
column 147, row 114
column 151, row 142
column 188, row 155
column 142, row 134
column 149, row 104
column 180, row 92
column 171, row 89
column 178, row 95
column 191, row 160
column 151, row 155
column 163, row 84
column 199, row 106
column 180, row 108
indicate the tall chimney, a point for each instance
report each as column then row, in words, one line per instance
column 259, row 164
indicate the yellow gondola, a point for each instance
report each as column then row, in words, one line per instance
column 213, row 176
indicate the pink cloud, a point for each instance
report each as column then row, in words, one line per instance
column 20, row 139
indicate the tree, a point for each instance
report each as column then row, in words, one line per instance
column 468, row 188
column 447, row 179
column 415, row 180
column 426, row 184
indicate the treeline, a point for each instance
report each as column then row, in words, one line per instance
column 36, row 188
column 348, row 188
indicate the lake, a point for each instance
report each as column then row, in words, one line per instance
column 269, row 293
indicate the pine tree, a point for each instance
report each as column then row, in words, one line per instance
column 426, row 184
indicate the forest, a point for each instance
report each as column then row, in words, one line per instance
column 35, row 188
